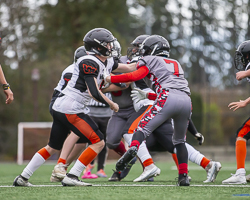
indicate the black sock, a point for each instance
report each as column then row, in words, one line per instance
column 181, row 152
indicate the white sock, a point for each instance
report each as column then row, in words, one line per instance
column 36, row 161
column 194, row 155
column 241, row 171
column 77, row 168
column 143, row 153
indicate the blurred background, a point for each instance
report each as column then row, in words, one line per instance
column 39, row 38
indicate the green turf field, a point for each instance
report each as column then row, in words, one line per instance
column 162, row 188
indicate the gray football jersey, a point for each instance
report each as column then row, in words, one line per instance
column 164, row 73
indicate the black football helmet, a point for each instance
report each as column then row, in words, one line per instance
column 242, row 56
column 99, row 41
column 155, row 45
column 134, row 50
column 79, row 52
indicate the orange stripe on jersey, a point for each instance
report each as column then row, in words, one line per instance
column 44, row 153
column 136, row 122
column 83, row 127
column 87, row 156
column 245, row 129
column 148, row 162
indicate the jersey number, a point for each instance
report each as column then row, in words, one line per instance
column 176, row 68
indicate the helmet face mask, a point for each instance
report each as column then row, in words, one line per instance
column 155, row 45
column 99, row 41
column 134, row 50
column 116, row 49
column 242, row 56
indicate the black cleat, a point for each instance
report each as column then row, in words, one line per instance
column 126, row 158
column 116, row 176
column 125, row 172
column 183, row 180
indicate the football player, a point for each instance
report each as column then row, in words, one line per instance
column 166, row 77
column 241, row 63
column 69, row 108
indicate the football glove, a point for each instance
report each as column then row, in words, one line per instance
column 138, row 94
column 200, row 138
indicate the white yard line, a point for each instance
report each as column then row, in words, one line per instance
column 138, row 185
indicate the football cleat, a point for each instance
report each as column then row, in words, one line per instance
column 183, row 180
column 21, row 181
column 116, row 176
column 101, row 173
column 125, row 172
column 88, row 175
column 55, row 179
column 126, row 158
column 248, row 178
column 72, row 180
column 88, row 168
column 58, row 173
column 236, row 179
column 151, row 179
column 147, row 174
column 212, row 172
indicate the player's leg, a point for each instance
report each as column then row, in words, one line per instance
column 212, row 167
column 102, row 156
column 57, row 137
column 60, row 169
column 149, row 168
column 243, row 134
column 85, row 127
column 180, row 105
column 146, row 126
column 114, row 134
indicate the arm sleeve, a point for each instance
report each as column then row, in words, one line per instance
column 191, row 127
column 132, row 76
column 90, row 81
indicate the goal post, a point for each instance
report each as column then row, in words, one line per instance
column 41, row 129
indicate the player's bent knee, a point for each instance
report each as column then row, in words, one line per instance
column 112, row 146
column 51, row 150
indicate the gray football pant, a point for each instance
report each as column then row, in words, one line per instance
column 177, row 107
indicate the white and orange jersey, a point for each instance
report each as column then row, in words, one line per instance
column 65, row 77
column 76, row 96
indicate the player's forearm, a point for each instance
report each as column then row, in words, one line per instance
column 125, row 68
column 247, row 101
column 2, row 77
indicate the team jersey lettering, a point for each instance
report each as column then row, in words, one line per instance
column 88, row 69
column 176, row 68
